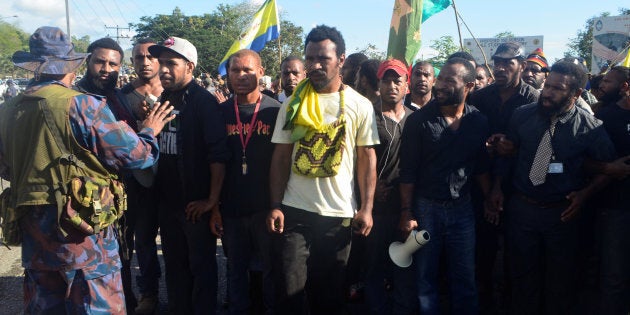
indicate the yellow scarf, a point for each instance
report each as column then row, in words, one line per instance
column 303, row 112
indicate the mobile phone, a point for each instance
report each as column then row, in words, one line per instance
column 150, row 100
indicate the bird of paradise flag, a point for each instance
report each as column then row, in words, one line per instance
column 265, row 26
column 404, row 33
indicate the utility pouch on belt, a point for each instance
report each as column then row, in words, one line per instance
column 93, row 204
column 10, row 232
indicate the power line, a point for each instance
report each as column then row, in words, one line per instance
column 83, row 17
column 161, row 34
column 108, row 13
column 118, row 34
column 95, row 14
column 120, row 12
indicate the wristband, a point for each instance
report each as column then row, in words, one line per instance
column 276, row 205
column 403, row 209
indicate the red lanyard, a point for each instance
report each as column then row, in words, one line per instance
column 241, row 129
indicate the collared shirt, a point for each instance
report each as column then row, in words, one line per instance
column 577, row 135
column 488, row 102
column 440, row 161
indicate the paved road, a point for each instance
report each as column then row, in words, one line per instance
column 11, row 280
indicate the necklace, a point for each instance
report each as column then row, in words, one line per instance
column 241, row 130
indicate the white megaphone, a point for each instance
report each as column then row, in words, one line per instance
column 401, row 253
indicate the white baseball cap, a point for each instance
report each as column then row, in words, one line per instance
column 177, row 45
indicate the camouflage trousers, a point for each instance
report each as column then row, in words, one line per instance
column 58, row 292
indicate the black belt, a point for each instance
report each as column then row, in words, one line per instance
column 543, row 204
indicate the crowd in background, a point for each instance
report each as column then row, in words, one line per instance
column 517, row 171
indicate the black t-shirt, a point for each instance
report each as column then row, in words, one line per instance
column 617, row 124
column 387, row 158
column 188, row 145
column 244, row 194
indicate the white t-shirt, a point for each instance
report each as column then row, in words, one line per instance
column 331, row 196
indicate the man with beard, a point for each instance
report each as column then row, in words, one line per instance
column 497, row 102
column 536, row 69
column 141, row 219
column 553, row 139
column 614, row 203
column 610, row 87
column 442, row 150
column 250, row 117
column 422, row 81
column 193, row 153
column 291, row 73
column 101, row 77
column 367, row 81
column 313, row 200
column 483, row 78
column 350, row 68
column 51, row 136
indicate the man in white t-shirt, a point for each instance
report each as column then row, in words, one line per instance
column 312, row 208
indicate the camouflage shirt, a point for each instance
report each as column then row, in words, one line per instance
column 118, row 147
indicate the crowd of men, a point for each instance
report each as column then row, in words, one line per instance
column 307, row 186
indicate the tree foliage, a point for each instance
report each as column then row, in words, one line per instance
column 505, row 34
column 12, row 39
column 444, row 46
column 581, row 45
column 213, row 34
column 371, row 51
column 292, row 43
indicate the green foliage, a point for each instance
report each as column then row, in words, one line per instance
column 505, row 34
column 581, row 45
column 371, row 52
column 292, row 43
column 445, row 46
column 213, row 34
column 12, row 39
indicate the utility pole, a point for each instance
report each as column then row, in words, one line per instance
column 68, row 20
column 118, row 29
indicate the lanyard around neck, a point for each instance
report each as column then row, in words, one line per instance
column 241, row 127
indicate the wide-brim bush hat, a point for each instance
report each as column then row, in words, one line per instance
column 51, row 52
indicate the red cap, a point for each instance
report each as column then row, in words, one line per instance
column 392, row 64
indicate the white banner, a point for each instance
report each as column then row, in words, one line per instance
column 611, row 35
column 489, row 45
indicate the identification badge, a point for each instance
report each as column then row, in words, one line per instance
column 556, row 168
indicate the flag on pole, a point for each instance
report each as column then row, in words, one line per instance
column 626, row 62
column 431, row 7
column 404, row 32
column 265, row 26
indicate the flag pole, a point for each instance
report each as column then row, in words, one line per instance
column 280, row 63
column 483, row 53
column 459, row 31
